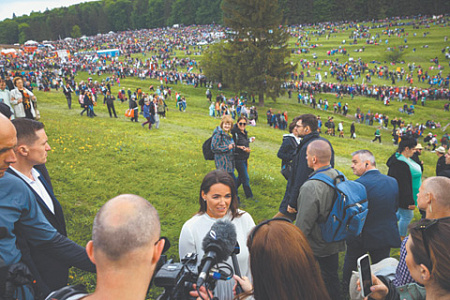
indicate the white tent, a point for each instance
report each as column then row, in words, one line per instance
column 31, row 42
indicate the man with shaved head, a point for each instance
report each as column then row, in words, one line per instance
column 314, row 203
column 21, row 216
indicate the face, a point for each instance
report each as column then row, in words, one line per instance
column 8, row 141
column 2, row 85
column 423, row 198
column 301, row 130
column 447, row 157
column 414, row 268
column 227, row 126
column 38, row 151
column 218, row 200
column 309, row 158
column 358, row 166
column 408, row 152
column 242, row 124
column 19, row 83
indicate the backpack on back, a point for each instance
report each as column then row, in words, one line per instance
column 207, row 152
column 349, row 210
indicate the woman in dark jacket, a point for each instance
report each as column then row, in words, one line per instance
column 288, row 149
column 241, row 154
column 409, row 178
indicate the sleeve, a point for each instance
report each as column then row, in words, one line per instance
column 392, row 294
column 218, row 145
column 14, row 96
column 308, row 208
column 186, row 243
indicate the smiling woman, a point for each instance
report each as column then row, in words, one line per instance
column 218, row 201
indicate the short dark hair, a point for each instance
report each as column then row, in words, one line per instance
column 309, row 120
column 212, row 178
column 293, row 124
column 26, row 130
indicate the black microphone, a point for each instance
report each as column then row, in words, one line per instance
column 218, row 244
column 236, row 268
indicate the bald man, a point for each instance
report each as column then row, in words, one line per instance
column 314, row 203
column 125, row 247
column 20, row 215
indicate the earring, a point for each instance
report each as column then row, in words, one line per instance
column 429, row 207
column 204, row 199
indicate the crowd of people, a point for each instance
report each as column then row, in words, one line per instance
column 126, row 244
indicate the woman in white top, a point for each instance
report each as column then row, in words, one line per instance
column 23, row 100
column 218, row 201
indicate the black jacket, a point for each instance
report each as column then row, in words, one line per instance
column 401, row 172
column 240, row 139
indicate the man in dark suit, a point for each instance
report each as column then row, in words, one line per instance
column 380, row 232
column 31, row 149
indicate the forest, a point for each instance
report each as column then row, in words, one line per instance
column 119, row 15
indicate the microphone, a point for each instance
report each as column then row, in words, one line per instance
column 218, row 244
column 237, row 271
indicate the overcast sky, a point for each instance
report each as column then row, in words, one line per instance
column 25, row 7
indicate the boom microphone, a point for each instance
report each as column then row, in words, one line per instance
column 218, row 244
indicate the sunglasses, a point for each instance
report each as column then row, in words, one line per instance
column 424, row 226
column 243, row 124
column 257, row 227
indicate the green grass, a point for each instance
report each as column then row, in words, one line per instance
column 93, row 160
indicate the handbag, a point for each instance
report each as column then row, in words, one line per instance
column 129, row 113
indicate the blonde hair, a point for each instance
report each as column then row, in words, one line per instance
column 226, row 119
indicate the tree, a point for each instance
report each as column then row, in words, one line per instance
column 256, row 54
column 9, row 32
column 24, row 32
column 76, row 31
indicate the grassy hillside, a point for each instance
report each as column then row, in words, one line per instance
column 93, row 160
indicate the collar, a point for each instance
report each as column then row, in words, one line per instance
column 34, row 173
column 321, row 169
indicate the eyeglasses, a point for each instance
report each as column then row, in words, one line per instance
column 423, row 226
column 257, row 227
column 243, row 124
column 296, row 125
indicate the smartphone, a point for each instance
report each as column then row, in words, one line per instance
column 365, row 275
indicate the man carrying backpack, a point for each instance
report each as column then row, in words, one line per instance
column 314, row 204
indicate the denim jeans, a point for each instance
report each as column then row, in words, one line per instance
column 243, row 178
column 404, row 217
column 329, row 268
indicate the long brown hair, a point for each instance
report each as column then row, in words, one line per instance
column 282, row 263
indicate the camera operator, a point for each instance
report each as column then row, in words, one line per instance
column 125, row 248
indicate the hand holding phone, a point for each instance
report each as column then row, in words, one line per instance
column 365, row 275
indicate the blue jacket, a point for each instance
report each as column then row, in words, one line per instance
column 21, row 215
column 380, row 229
column 53, row 272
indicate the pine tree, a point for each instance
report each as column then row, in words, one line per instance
column 257, row 50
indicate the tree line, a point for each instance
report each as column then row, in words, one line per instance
column 117, row 15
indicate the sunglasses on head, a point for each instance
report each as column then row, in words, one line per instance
column 257, row 227
column 424, row 226
column 243, row 124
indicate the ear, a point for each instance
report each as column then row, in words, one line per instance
column 203, row 195
column 22, row 150
column 425, row 274
column 90, row 251
column 157, row 250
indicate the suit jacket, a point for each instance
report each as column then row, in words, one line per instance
column 53, row 273
column 380, row 229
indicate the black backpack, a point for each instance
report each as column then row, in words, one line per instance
column 72, row 291
column 207, row 152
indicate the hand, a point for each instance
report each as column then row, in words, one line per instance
column 231, row 146
column 378, row 290
column 205, row 294
column 252, row 139
column 411, row 207
column 244, row 282
column 291, row 210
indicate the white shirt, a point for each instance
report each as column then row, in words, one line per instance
column 38, row 187
column 193, row 233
